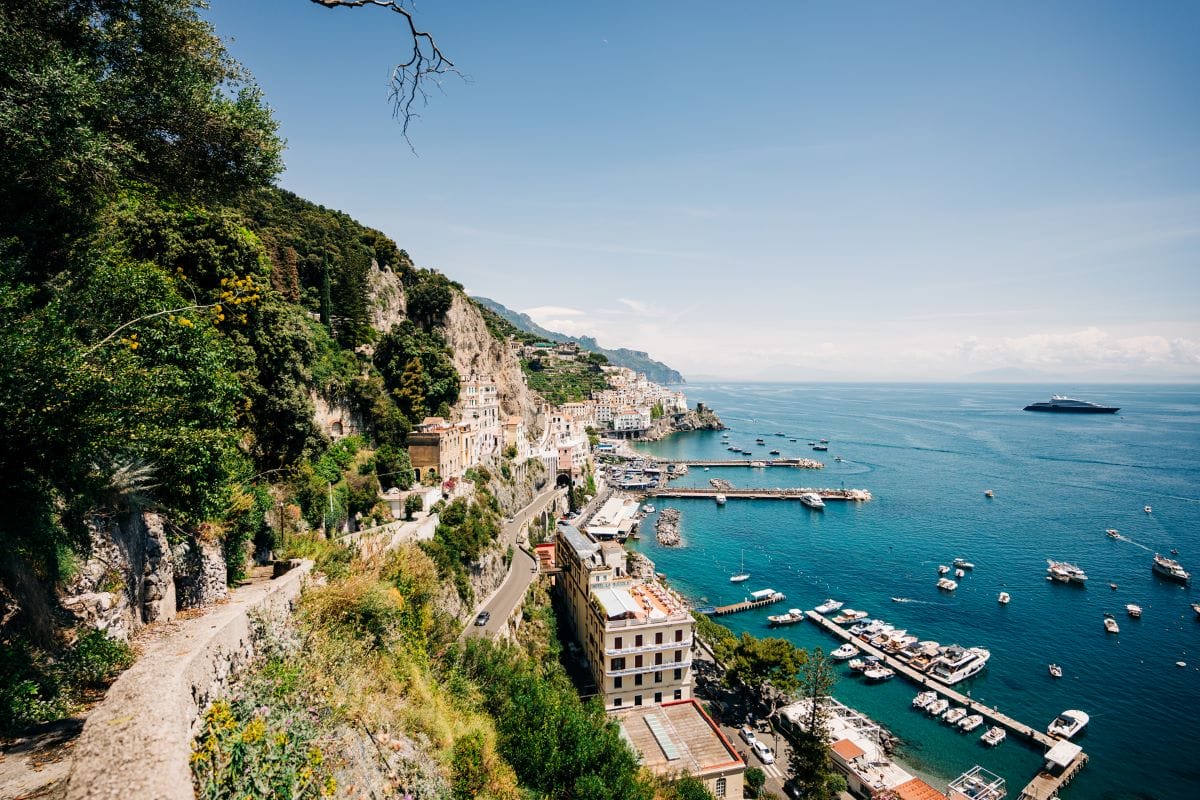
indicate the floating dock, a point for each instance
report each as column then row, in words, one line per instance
column 860, row 495
column 1043, row 786
column 747, row 605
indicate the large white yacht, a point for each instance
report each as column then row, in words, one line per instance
column 1068, row 723
column 958, row 663
column 829, row 605
column 1065, row 572
column 812, row 500
column 1170, row 568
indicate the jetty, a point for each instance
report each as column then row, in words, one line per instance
column 860, row 495
column 1044, row 785
column 763, row 597
column 799, row 463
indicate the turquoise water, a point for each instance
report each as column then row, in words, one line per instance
column 927, row 453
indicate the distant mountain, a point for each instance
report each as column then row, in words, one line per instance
column 635, row 360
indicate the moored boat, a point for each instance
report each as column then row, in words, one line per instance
column 1170, row 569
column 830, row 605
column 1068, row 723
column 958, row 663
column 1003, row 598
column 812, row 500
column 968, row 724
column 989, row 493
column 1065, row 572
column 937, row 707
column 849, row 615
column 1134, row 610
column 959, row 573
column 879, row 673
column 1055, row 671
column 1110, row 624
column 943, row 569
column 994, row 736
column 923, row 699
column 947, row 584
column 793, row 616
column 954, row 715
column 720, row 498
column 844, row 653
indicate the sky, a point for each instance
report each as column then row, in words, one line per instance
column 779, row 190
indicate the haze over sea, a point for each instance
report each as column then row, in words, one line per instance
column 928, row 453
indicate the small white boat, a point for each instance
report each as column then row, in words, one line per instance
column 958, row 573
column 938, row 706
column 849, row 615
column 793, row 616
column 812, row 500
column 947, row 585
column 923, row 699
column 943, row 569
column 1004, row 598
column 844, row 653
column 968, row 724
column 1111, row 626
column 962, row 563
column 720, row 498
column 649, row 509
column 742, row 575
column 994, row 736
column 989, row 493
column 1055, row 671
column 954, row 715
column 830, row 605
column 1112, row 533
column 1134, row 610
column 1147, row 509
column 879, row 674
column 1068, row 723
column 857, row 664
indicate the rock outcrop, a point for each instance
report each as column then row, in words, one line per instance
column 388, row 304
column 666, row 527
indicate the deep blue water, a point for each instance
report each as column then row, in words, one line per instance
column 928, row 453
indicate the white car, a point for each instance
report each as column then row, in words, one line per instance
column 763, row 752
column 747, row 734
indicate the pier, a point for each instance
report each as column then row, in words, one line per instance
column 801, row 463
column 761, row 494
column 746, row 605
column 1043, row 786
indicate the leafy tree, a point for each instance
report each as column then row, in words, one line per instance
column 393, row 467
column 412, row 504
column 688, row 787
column 430, row 299
column 755, row 778
column 417, row 370
column 755, row 663
column 810, row 762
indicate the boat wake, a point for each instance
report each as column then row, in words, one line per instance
column 1121, row 538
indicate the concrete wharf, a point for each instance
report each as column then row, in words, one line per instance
column 802, row 463
column 761, row 494
column 1043, row 786
column 746, row 605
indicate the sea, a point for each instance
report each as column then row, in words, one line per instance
column 927, row 453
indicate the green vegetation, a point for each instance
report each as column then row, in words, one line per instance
column 30, row 692
column 562, row 379
column 464, row 531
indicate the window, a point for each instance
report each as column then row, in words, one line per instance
column 678, row 656
column 678, row 674
column 637, row 679
column 617, row 643
column 658, row 658
column 637, row 661
column 617, row 682
column 658, row 677
column 658, row 638
column 679, row 694
column 637, row 699
column 618, row 664
column 616, row 702
column 679, row 634
column 637, row 640
column 658, row 697
column 720, row 787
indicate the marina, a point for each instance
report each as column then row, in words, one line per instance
column 856, row 495
column 763, row 597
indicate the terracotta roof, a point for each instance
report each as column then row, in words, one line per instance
column 917, row 789
column 847, row 749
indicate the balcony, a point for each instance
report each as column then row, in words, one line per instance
column 686, row 644
column 665, row 667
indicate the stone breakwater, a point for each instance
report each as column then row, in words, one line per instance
column 720, row 484
column 666, row 527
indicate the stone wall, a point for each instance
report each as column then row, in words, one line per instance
column 200, row 573
column 137, row 742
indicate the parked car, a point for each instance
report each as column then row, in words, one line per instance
column 483, row 618
column 747, row 734
column 763, row 752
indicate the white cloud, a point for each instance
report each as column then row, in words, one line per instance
column 539, row 313
column 1088, row 348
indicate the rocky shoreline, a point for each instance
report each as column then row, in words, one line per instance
column 666, row 527
column 701, row 418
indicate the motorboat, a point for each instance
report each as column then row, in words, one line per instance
column 879, row 673
column 860, row 627
column 1055, row 671
column 857, row 664
column 1065, row 572
column 954, row 715
column 1110, row 624
column 849, row 615
column 793, row 616
column 968, row 724
column 1196, row 608
column 994, row 736
column 821, row 448
column 1068, row 723
column 845, row 652
column 1170, row 569
column 649, row 509
column 962, row 563
column 1147, row 509
column 837, row 459
column 959, row 663
column 812, row 500
column 937, row 707
column 1134, row 610
column 774, row 452
column 1112, row 533
column 1003, row 598
column 923, row 699
column 943, row 569
column 947, row 585
column 741, row 576
column 720, row 498
column 830, row 605
column 1068, row 405
column 758, row 464
column 989, row 493
column 959, row 573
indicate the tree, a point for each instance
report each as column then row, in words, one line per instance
column 412, row 504
column 762, row 665
column 810, row 762
column 755, row 778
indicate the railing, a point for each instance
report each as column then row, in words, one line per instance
column 674, row 616
column 686, row 644
column 668, row 665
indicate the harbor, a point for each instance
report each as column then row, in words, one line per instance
column 854, row 495
column 763, row 597
column 1045, row 784
column 799, row 463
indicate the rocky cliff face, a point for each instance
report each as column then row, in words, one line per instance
column 476, row 351
column 486, row 576
column 388, row 304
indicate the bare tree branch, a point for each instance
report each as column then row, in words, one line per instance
column 410, row 77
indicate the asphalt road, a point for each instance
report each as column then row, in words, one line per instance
column 521, row 572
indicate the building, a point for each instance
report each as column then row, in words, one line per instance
column 616, row 519
column 436, row 445
column 631, row 421
column 678, row 737
column 637, row 636
column 481, row 406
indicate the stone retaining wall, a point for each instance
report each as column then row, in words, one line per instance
column 138, row 741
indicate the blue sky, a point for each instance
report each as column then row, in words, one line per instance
column 779, row 190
